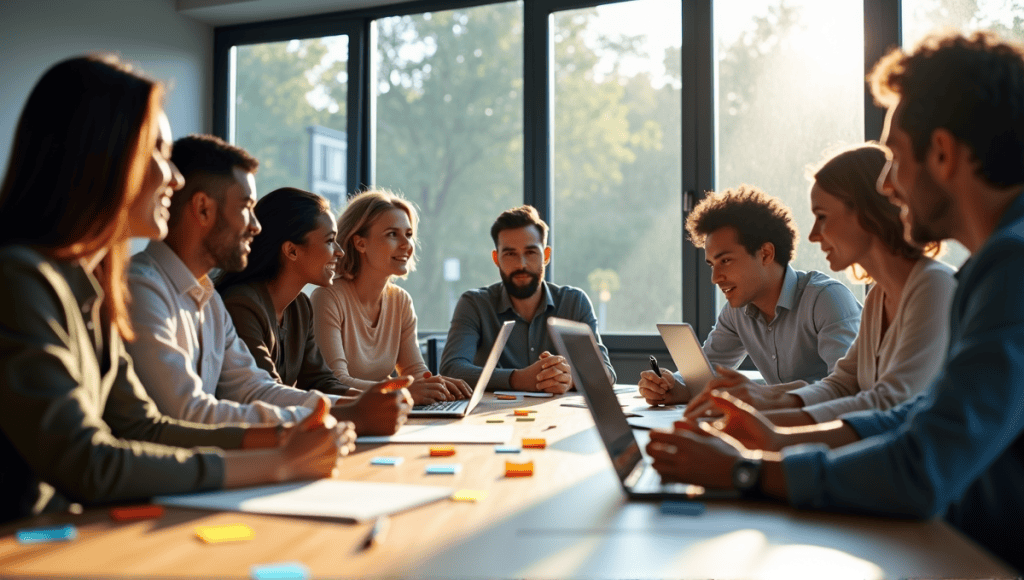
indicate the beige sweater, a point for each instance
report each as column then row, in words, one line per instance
column 362, row 352
column 880, row 372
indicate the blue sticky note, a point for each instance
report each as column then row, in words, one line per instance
column 282, row 571
column 385, row 460
column 505, row 449
column 682, row 508
column 48, row 534
column 444, row 468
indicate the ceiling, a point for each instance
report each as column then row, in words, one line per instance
column 226, row 12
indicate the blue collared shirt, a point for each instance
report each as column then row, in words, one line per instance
column 816, row 321
column 479, row 315
column 957, row 448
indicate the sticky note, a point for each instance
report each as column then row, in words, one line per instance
column 682, row 508
column 506, row 449
column 506, row 397
column 495, row 420
column 442, row 450
column 537, row 443
column 226, row 533
column 48, row 534
column 281, row 571
column 387, row 460
column 136, row 512
column 518, row 469
column 523, row 412
column 443, row 469
column 524, row 419
column 469, row 495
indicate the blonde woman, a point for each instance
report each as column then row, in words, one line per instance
column 364, row 324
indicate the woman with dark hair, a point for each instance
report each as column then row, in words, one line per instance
column 90, row 167
column 274, row 318
column 904, row 326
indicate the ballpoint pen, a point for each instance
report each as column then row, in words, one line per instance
column 377, row 532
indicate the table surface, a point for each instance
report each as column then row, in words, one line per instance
column 569, row 520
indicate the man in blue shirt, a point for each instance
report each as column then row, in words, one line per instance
column 955, row 132
column 794, row 325
column 527, row 364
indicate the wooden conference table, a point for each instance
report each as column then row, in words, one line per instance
column 569, row 520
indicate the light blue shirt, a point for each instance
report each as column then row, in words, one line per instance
column 816, row 321
column 958, row 447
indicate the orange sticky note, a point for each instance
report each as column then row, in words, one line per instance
column 534, row 443
column 518, row 469
column 523, row 412
column 442, row 450
column 505, row 397
column 469, row 495
column 136, row 512
column 228, row 533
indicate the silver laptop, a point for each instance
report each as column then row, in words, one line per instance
column 463, row 407
column 575, row 341
column 688, row 356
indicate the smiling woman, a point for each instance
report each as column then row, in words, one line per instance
column 365, row 325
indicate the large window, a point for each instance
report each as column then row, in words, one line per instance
column 790, row 88
column 449, row 129
column 617, row 160
column 290, row 112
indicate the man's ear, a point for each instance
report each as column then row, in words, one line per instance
column 494, row 256
column 767, row 253
column 204, row 208
column 944, row 156
column 290, row 251
column 547, row 255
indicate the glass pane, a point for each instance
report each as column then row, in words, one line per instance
column 790, row 87
column 450, row 138
column 921, row 17
column 617, row 150
column 289, row 112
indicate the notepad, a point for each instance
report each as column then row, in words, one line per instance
column 447, row 433
column 443, row 469
column 226, row 533
column 469, row 495
column 49, row 534
column 326, row 498
column 282, row 571
column 387, row 460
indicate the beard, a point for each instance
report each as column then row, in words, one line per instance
column 929, row 221
column 520, row 292
column 226, row 247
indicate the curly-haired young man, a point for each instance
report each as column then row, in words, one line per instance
column 794, row 325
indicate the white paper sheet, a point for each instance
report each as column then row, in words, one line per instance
column 448, row 433
column 327, row 498
column 525, row 394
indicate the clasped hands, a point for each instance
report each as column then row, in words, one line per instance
column 550, row 374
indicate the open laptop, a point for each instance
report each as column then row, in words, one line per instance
column 463, row 407
column 575, row 341
column 687, row 354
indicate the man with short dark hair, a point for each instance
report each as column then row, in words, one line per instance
column 188, row 355
column 955, row 135
column 527, row 364
column 794, row 325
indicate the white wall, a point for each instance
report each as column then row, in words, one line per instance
column 34, row 34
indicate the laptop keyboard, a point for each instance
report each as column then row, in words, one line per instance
column 441, row 406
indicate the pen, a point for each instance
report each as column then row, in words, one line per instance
column 654, row 366
column 377, row 532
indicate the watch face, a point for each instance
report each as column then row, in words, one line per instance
column 745, row 474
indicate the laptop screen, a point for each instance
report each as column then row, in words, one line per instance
column 576, row 342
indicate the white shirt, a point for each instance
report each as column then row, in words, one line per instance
column 188, row 355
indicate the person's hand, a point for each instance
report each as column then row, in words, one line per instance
column 691, row 458
column 457, row 387
column 737, row 385
column 738, row 420
column 663, row 390
column 430, row 389
column 312, row 448
column 550, row 374
column 380, row 410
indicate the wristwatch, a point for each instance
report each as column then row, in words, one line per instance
column 746, row 476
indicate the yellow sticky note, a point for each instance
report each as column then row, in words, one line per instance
column 227, row 533
column 495, row 420
column 534, row 443
column 469, row 495
column 518, row 469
